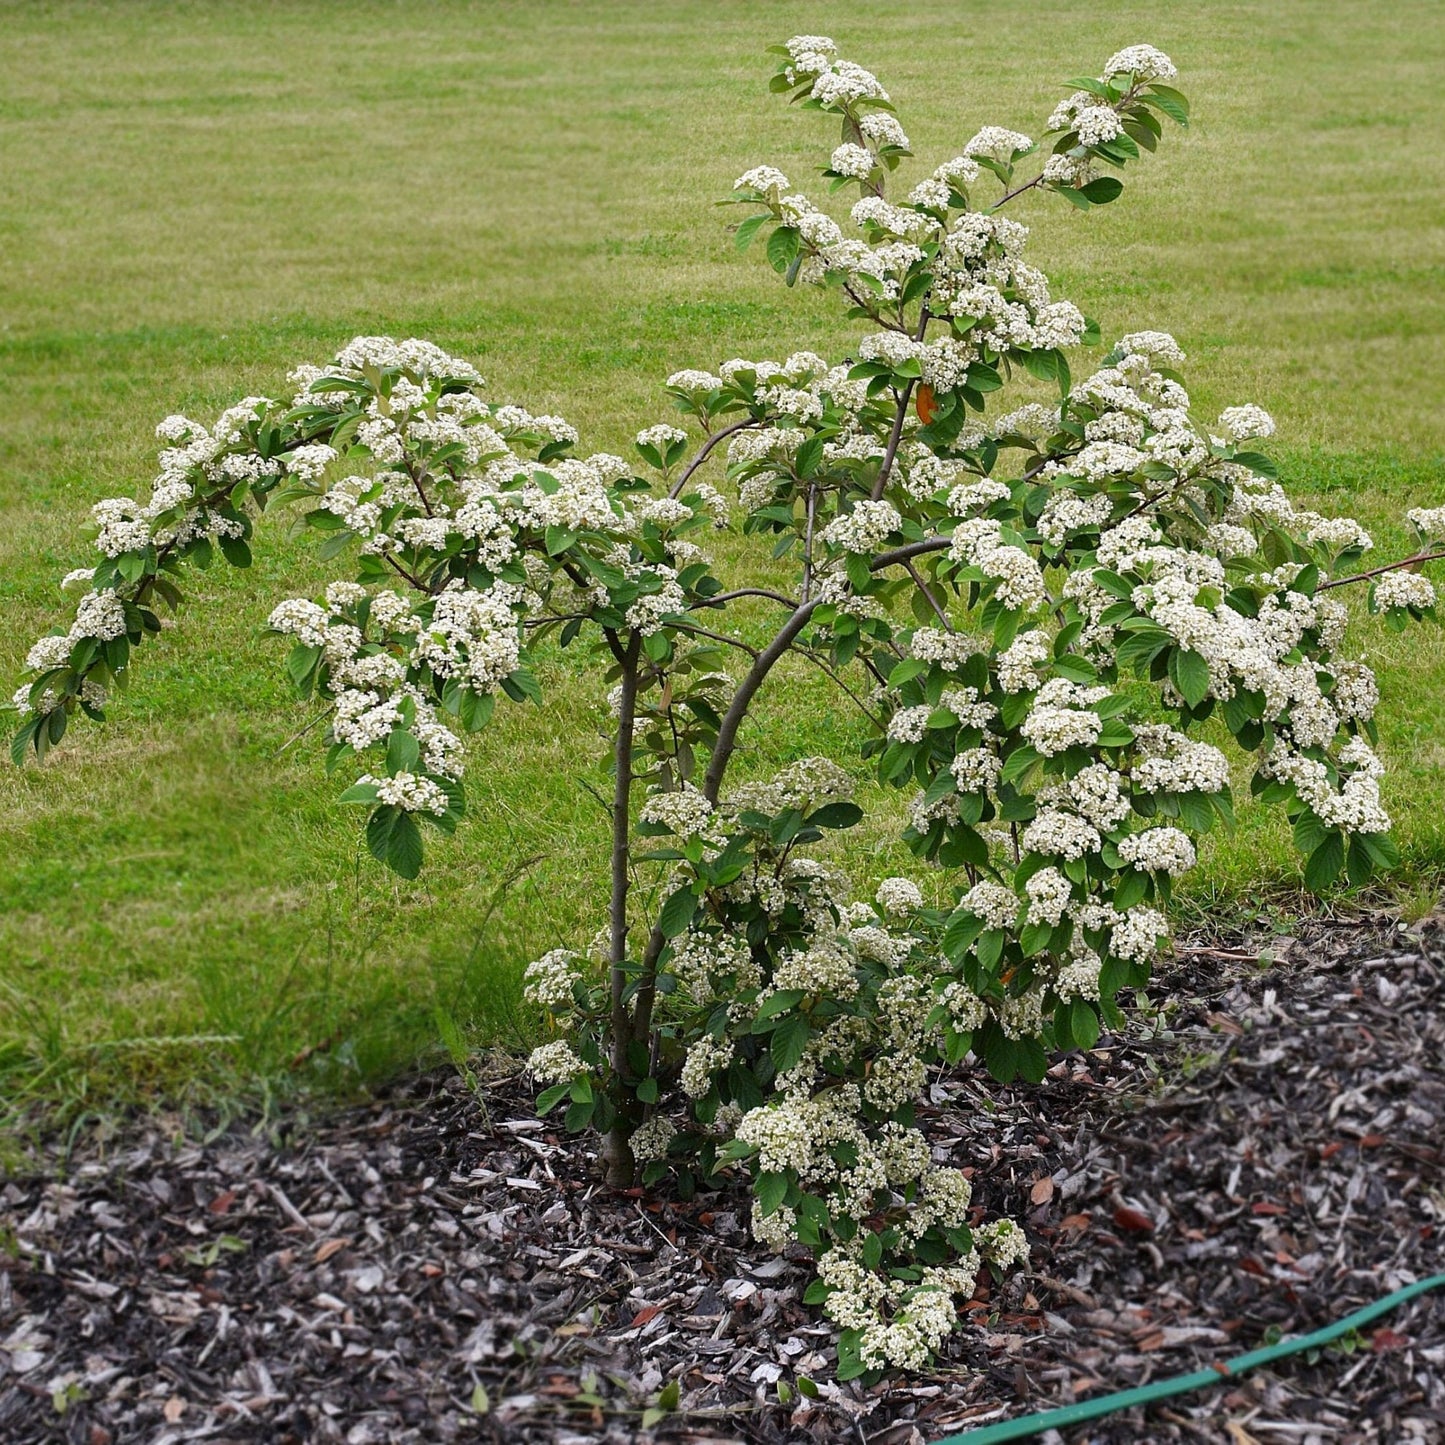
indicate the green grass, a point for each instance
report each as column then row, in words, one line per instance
column 195, row 197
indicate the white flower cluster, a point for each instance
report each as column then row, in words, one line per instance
column 1170, row 762
column 1355, row 805
column 1428, row 521
column 1142, row 62
column 951, row 650
column 661, row 437
column 996, row 905
column 548, row 981
column 1018, row 663
column 1404, row 589
column 410, row 792
column 1159, row 850
column 899, row 897
column 1050, row 894
column 650, row 1139
column 555, row 1062
column 996, row 143
column 768, row 180
column 1060, row 717
column 864, row 529
column 1094, row 122
column 685, row 812
column 1017, row 578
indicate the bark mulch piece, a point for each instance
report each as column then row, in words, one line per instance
column 1260, row 1159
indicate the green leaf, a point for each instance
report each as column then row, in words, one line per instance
column 1309, row 833
column 1034, row 937
column 1001, row 1056
column 1325, row 863
column 301, row 666
column 771, row 1190
column 1042, row 364
column 782, row 247
column 836, row 815
column 1170, row 101
column 1019, row 762
column 235, row 551
column 1381, row 849
column 378, row 830
column 677, row 912
column 743, row 238
column 1258, row 463
column 1358, row 866
column 21, row 741
column 872, row 1251
column 647, row 1091
column 790, row 1038
column 1083, row 1023
column 548, row 1099
column 1115, row 734
column 775, row 1004
column 850, row 1360
column 958, row 937
column 808, row 457
column 403, row 851
column 860, row 574
column 1103, row 190
column 1132, row 888
column 403, row 752
column 1190, row 673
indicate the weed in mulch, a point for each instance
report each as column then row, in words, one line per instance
column 1262, row 1158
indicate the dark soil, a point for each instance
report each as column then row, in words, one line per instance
column 438, row 1265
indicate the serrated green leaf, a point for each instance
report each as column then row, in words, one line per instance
column 677, row 912
column 771, row 1190
column 790, row 1038
column 1102, row 190
column 1325, row 863
column 1190, row 673
column 403, row 849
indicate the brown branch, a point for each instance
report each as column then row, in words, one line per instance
column 1414, row 561
column 808, row 542
column 616, row 1152
column 907, row 551
column 932, row 600
column 723, row 597
column 1017, row 191
column 899, row 418
column 402, row 572
column 718, row 637
column 842, row 686
column 705, row 450
column 742, row 699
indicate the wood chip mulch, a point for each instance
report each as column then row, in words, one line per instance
column 439, row 1265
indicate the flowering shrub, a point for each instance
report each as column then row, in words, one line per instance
column 1047, row 609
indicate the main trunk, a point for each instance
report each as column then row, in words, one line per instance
column 618, row 1163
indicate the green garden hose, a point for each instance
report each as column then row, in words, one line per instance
column 1029, row 1425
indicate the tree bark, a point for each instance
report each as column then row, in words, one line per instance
column 616, row 1150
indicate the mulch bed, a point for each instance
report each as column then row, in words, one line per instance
column 436, row 1266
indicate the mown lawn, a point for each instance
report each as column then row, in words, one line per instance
column 195, row 197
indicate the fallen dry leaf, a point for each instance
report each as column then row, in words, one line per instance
column 1134, row 1220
